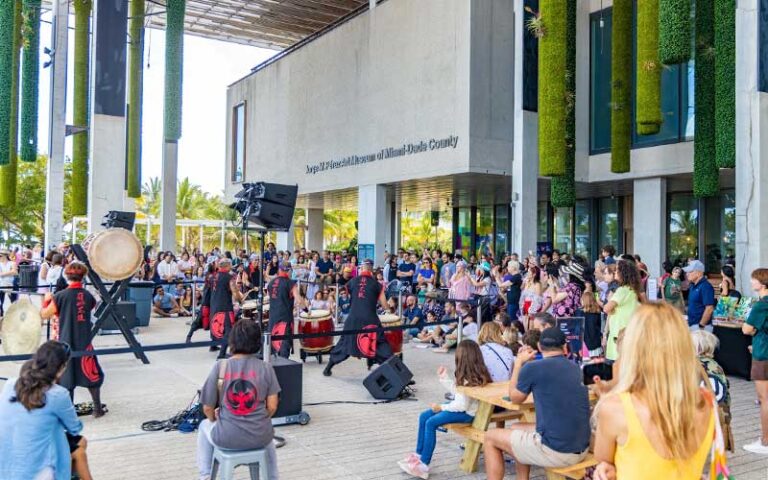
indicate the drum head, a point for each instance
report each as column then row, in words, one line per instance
column 21, row 328
column 115, row 254
column 389, row 318
column 315, row 314
column 250, row 305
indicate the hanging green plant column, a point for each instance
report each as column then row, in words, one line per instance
column 621, row 85
column 725, row 83
column 80, row 107
column 563, row 189
column 9, row 172
column 552, row 87
column 174, row 56
column 6, row 72
column 30, row 76
column 135, row 95
column 705, row 173
column 648, row 68
column 674, row 31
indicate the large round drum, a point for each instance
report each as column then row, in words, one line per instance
column 394, row 337
column 249, row 309
column 115, row 253
column 316, row 321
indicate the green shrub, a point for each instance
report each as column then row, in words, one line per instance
column 674, row 31
column 30, row 76
column 725, row 83
column 135, row 95
column 563, row 188
column 552, row 88
column 9, row 172
column 6, row 72
column 648, row 68
column 705, row 173
column 174, row 57
column 80, row 102
column 621, row 85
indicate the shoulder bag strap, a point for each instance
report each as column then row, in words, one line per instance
column 497, row 356
column 220, row 381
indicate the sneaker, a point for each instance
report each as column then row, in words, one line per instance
column 416, row 469
column 757, row 447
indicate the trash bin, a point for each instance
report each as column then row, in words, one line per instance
column 141, row 293
column 28, row 273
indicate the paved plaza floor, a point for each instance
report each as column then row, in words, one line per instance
column 342, row 441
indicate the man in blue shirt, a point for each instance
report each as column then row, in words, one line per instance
column 164, row 304
column 701, row 297
column 560, row 436
column 413, row 315
column 407, row 269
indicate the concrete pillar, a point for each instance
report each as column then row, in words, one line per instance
column 751, row 148
column 285, row 240
column 54, row 186
column 525, row 164
column 373, row 219
column 168, row 193
column 106, row 182
column 315, row 224
column 649, row 222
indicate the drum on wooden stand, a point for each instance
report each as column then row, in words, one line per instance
column 249, row 309
column 394, row 337
column 314, row 322
column 114, row 254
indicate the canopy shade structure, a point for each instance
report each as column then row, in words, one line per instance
column 275, row 24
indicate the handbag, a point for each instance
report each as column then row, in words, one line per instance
column 718, row 467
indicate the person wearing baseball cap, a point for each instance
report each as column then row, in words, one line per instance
column 560, row 436
column 701, row 297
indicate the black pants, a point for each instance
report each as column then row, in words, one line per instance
column 340, row 352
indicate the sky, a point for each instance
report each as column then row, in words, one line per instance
column 209, row 67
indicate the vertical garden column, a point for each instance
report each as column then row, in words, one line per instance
column 553, row 34
column 30, row 76
column 9, row 172
column 725, row 83
column 705, row 173
column 621, row 85
column 54, row 185
column 135, row 95
column 563, row 190
column 79, row 191
column 674, row 31
column 648, row 68
column 174, row 56
column 7, row 14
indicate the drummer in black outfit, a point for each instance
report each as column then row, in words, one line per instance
column 203, row 318
column 365, row 292
column 282, row 293
column 73, row 305
column 223, row 289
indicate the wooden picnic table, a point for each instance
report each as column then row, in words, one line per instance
column 493, row 395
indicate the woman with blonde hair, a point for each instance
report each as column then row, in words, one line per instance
column 657, row 422
column 497, row 357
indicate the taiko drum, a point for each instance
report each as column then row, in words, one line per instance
column 394, row 337
column 314, row 322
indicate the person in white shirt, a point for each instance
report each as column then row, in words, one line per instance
column 8, row 272
column 168, row 270
column 498, row 358
column 470, row 372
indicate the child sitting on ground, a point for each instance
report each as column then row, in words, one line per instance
column 470, row 372
column 431, row 333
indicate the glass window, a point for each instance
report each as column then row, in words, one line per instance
column 464, row 231
column 238, row 143
column 676, row 94
column 719, row 230
column 608, row 222
column 484, row 234
column 683, row 241
column 542, row 222
column 583, row 245
column 501, row 238
column 530, row 60
column 563, row 220
column 600, row 82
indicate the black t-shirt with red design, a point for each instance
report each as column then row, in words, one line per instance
column 74, row 306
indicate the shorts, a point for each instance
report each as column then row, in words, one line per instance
column 73, row 440
column 528, row 450
column 759, row 370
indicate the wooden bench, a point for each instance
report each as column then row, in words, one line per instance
column 576, row 472
column 466, row 430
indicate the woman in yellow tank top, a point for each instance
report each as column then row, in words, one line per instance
column 657, row 422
